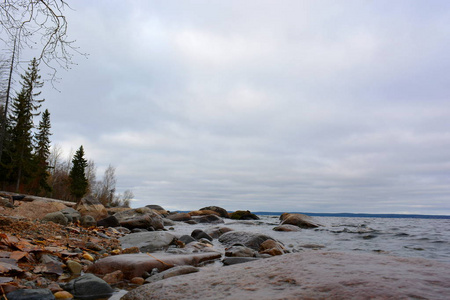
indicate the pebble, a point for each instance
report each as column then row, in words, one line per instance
column 63, row 295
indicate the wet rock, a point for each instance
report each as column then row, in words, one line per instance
column 191, row 222
column 110, row 221
column 213, row 219
column 243, row 215
column 216, row 232
column 200, row 234
column 272, row 247
column 31, row 294
column 137, row 280
column 300, row 220
column 89, row 286
column 179, row 217
column 134, row 230
column 91, row 207
column 113, row 277
column 142, row 217
column 287, row 228
column 222, row 212
column 248, row 239
column 240, row 251
column 228, row 261
column 71, row 214
column 56, row 217
column 135, row 265
column 186, row 239
column 172, row 272
column 88, row 221
column 148, row 241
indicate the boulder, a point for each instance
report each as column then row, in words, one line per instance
column 56, row 217
column 158, row 209
column 91, row 207
column 243, row 215
column 216, row 232
column 200, row 234
column 30, row 294
column 88, row 221
column 37, row 209
column 142, row 217
column 287, row 228
column 272, row 247
column 300, row 220
column 71, row 214
column 186, row 239
column 222, row 212
column 89, row 286
column 247, row 239
column 148, row 241
column 136, row 265
column 213, row 219
column 240, row 251
column 179, row 217
column 228, row 261
column 110, row 221
column 195, row 213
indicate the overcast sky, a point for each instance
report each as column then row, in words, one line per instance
column 312, row 106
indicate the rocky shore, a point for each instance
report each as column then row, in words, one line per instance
column 56, row 250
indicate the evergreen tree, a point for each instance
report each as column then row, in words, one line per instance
column 41, row 154
column 78, row 180
column 24, row 108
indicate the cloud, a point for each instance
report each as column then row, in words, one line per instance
column 295, row 106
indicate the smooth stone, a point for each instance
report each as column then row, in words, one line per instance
column 74, row 267
column 135, row 265
column 240, row 251
column 216, row 232
column 113, row 277
column 212, row 219
column 243, row 215
column 88, row 221
column 89, row 286
column 110, row 221
column 186, row 239
column 179, row 217
column 71, row 214
column 63, row 295
column 148, row 241
column 31, row 294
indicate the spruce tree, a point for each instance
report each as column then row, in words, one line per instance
column 78, row 180
column 24, row 107
column 41, row 154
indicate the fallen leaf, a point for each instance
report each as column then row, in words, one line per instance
column 6, row 268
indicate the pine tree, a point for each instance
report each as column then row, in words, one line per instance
column 41, row 154
column 78, row 180
column 24, row 107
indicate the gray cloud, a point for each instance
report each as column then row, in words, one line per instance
column 295, row 106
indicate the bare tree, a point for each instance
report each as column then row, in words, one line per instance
column 108, row 186
column 41, row 25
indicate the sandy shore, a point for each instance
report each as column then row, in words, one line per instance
column 310, row 275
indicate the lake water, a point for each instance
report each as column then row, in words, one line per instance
column 406, row 237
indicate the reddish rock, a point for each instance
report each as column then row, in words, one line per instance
column 113, row 277
column 179, row 217
column 137, row 280
column 272, row 247
column 91, row 207
column 300, row 220
column 37, row 209
column 135, row 265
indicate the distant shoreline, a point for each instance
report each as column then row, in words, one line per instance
column 361, row 215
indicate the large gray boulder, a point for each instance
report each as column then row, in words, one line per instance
column 148, row 241
column 30, row 294
column 247, row 239
column 221, row 211
column 71, row 214
column 142, row 217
